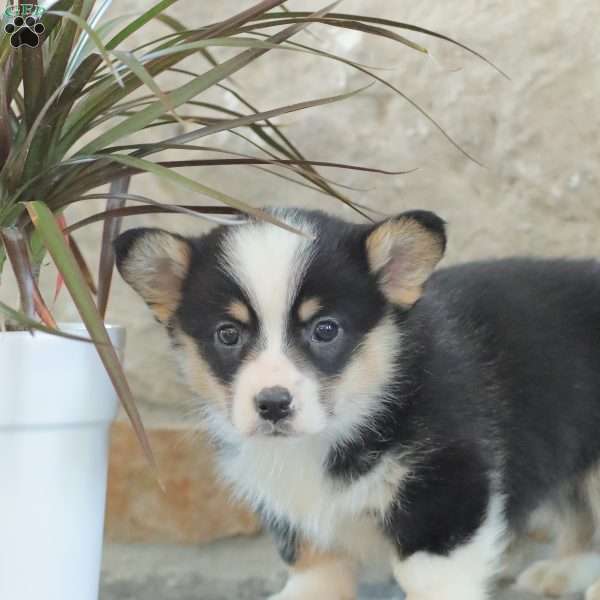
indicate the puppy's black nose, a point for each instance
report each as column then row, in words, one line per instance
column 273, row 403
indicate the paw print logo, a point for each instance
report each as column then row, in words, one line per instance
column 24, row 32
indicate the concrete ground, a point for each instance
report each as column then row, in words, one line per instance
column 235, row 569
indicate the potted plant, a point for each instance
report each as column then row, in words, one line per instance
column 72, row 100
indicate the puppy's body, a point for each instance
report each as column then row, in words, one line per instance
column 368, row 410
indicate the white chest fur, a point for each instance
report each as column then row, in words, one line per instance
column 286, row 478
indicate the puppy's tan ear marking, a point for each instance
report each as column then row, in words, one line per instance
column 403, row 251
column 154, row 263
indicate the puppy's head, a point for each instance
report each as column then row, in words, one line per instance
column 282, row 334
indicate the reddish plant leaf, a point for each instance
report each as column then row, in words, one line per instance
column 85, row 269
column 15, row 245
column 62, row 223
column 112, row 226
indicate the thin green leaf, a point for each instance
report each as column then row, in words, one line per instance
column 138, row 68
column 51, row 22
column 226, row 26
column 72, row 92
column 139, row 23
column 95, row 38
column 175, row 24
column 233, row 42
column 83, row 51
column 33, row 81
column 64, row 43
column 228, row 124
column 5, row 119
column 44, row 221
column 348, row 24
column 28, row 153
column 84, row 45
column 388, row 23
column 179, row 27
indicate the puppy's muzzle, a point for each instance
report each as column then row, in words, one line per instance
column 273, row 404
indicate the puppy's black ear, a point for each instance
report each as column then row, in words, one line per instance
column 403, row 251
column 154, row 263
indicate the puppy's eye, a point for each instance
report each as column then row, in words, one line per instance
column 228, row 335
column 325, row 331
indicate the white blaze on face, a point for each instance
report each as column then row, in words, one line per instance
column 268, row 263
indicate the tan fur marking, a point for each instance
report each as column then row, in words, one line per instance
column 406, row 253
column 577, row 527
column 540, row 535
column 319, row 576
column 575, row 534
column 371, row 363
column 309, row 557
column 405, row 297
column 164, row 312
column 198, row 374
column 239, row 311
column 308, row 309
column 155, row 269
column 557, row 577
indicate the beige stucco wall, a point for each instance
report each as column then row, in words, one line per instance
column 537, row 135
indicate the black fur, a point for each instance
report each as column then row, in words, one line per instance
column 503, row 377
column 442, row 505
column 124, row 243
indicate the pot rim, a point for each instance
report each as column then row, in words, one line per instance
column 74, row 327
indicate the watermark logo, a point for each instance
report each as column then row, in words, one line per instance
column 24, row 26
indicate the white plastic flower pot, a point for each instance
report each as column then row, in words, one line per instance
column 56, row 407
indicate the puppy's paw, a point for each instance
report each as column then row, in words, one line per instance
column 312, row 588
column 593, row 592
column 558, row 577
column 545, row 578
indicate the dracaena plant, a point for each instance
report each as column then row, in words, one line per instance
column 79, row 83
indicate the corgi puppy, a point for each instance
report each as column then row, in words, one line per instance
column 370, row 408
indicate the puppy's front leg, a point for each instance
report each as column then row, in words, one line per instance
column 465, row 574
column 448, row 533
column 313, row 574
